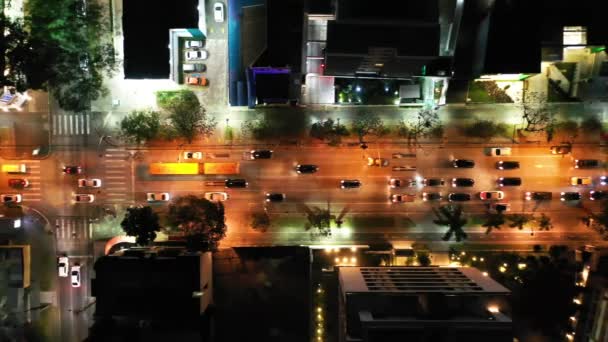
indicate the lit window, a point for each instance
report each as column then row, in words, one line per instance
column 575, row 35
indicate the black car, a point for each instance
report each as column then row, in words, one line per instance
column 538, row 196
column 595, row 195
column 431, row 196
column 72, row 170
column 261, row 154
column 570, row 196
column 459, row 197
column 467, row 182
column 306, row 168
column 236, row 183
column 463, row 163
column 275, row 197
column 350, row 184
column 507, row 165
column 586, row 163
column 509, row 181
column 433, row 182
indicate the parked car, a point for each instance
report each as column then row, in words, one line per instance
column 158, row 197
column 11, row 198
column 196, row 55
column 350, row 184
column 433, row 182
column 275, row 197
column 91, row 183
column 193, row 155
column 217, row 196
column 236, row 183
column 603, row 180
column 462, row 182
column 307, row 168
column 18, row 183
column 75, row 275
column 491, row 195
column 538, row 196
column 400, row 198
column 84, row 198
column 72, row 170
column 580, row 181
column 261, row 154
column 561, row 149
column 500, row 151
column 197, row 81
column 570, row 196
column 463, row 163
column 398, row 183
column 509, row 181
column 507, row 165
column 586, row 163
column 194, row 67
column 596, row 195
column 381, row 162
column 191, row 44
column 431, row 196
column 63, row 264
column 498, row 207
column 218, row 12
column 459, row 197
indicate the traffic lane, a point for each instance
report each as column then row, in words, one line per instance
column 75, row 321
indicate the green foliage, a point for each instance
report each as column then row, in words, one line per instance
column 140, row 125
column 228, row 133
column 485, row 129
column 493, row 221
column 328, row 130
column 186, row 115
column 73, row 50
column 319, row 219
column 425, row 124
column 487, row 92
column 15, row 49
column 424, row 259
column 544, row 222
column 142, row 223
column 452, row 217
column 260, row 221
column 202, row 221
column 366, row 123
column 168, row 98
column 568, row 128
column 275, row 123
column 536, row 114
column 519, row 221
column 591, row 125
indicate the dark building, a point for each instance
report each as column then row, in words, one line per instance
column 431, row 304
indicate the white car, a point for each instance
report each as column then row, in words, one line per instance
column 218, row 12
column 158, row 197
column 84, row 198
column 75, row 275
column 62, row 266
column 196, row 55
column 93, row 183
column 190, row 44
column 193, row 155
column 500, row 151
column 11, row 198
column 219, row 196
column 491, row 195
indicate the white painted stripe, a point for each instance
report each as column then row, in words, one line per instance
column 109, row 177
column 117, row 194
column 117, row 200
column 32, row 199
column 32, row 188
column 115, row 161
column 71, row 123
column 117, row 189
column 88, row 125
column 115, row 171
column 33, row 177
column 115, row 149
column 116, row 182
column 81, row 123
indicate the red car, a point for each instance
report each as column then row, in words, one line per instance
column 18, row 183
column 72, row 170
column 197, row 80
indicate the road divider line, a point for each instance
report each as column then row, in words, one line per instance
column 116, row 177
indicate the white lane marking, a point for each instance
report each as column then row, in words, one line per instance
column 117, row 194
column 121, row 177
column 115, row 171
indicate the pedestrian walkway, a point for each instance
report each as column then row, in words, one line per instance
column 71, row 124
column 118, row 176
column 73, row 228
column 33, row 192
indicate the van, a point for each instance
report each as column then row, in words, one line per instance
column 14, row 168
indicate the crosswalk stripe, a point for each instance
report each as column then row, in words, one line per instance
column 115, row 171
column 116, row 194
column 115, row 149
column 32, row 199
column 117, row 177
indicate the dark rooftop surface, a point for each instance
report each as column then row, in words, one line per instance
column 146, row 25
column 388, row 10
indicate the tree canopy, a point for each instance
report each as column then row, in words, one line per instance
column 425, row 124
column 366, row 123
column 186, row 115
column 319, row 219
column 452, row 217
column 15, row 49
column 201, row 221
column 140, row 125
column 142, row 223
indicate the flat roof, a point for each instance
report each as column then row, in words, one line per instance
column 448, row 280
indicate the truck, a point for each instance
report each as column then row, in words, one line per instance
column 194, row 168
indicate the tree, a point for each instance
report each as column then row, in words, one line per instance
column 426, row 124
column 537, row 115
column 485, row 129
column 187, row 116
column 142, row 223
column 493, row 221
column 73, row 50
column 15, row 49
column 519, row 220
column 319, row 219
column 366, row 123
column 599, row 221
column 591, row 125
column 201, row 221
column 328, row 130
column 452, row 217
column 424, row 259
column 140, row 125
column 260, row 221
column 568, row 128
column 544, row 222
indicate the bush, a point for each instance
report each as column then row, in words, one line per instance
column 485, row 129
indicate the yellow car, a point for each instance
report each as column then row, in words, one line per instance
column 580, row 180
